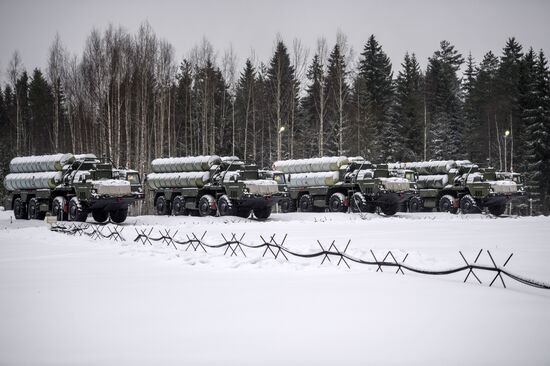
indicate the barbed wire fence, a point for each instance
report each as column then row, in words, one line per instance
column 274, row 246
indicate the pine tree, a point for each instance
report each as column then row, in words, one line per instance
column 337, row 99
column 282, row 87
column 508, row 91
column 244, row 111
column 375, row 94
column 444, row 103
column 536, row 118
column 42, row 115
column 491, row 131
column 25, row 134
column 472, row 125
column 313, row 107
column 408, row 113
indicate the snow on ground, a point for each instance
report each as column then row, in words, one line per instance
column 75, row 300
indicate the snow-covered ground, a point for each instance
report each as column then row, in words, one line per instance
column 75, row 300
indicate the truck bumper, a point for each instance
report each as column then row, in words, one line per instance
column 252, row 201
column 112, row 203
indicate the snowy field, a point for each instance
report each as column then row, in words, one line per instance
column 68, row 300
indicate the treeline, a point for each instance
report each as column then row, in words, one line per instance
column 128, row 97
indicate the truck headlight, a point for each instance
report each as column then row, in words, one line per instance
column 140, row 189
column 94, row 191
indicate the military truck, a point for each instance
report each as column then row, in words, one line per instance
column 411, row 199
column 68, row 186
column 450, row 186
column 519, row 203
column 341, row 183
column 210, row 185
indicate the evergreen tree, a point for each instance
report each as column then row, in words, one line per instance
column 408, row 113
column 491, row 131
column 473, row 136
column 536, row 119
column 42, row 115
column 282, row 88
column 25, row 134
column 314, row 110
column 444, row 103
column 509, row 93
column 376, row 92
column 244, row 111
column 337, row 100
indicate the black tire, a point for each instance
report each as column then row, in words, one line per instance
column 76, row 212
column 446, row 204
column 243, row 212
column 162, row 206
column 415, row 205
column 119, row 216
column 34, row 212
column 288, row 205
column 100, row 215
column 262, row 213
column 370, row 207
column 20, row 209
column 358, row 202
column 306, row 203
column 225, row 206
column 497, row 210
column 207, row 205
column 58, row 208
column 468, row 205
column 389, row 205
column 336, row 203
column 178, row 206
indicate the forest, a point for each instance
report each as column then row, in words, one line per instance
column 128, row 97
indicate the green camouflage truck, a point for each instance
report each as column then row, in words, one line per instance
column 69, row 187
column 210, row 185
column 341, row 183
column 450, row 186
column 412, row 201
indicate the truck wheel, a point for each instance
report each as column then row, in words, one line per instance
column 58, row 208
column 468, row 205
column 288, row 205
column 262, row 213
column 336, row 203
column 178, row 207
column 243, row 212
column 20, row 209
column 389, row 205
column 100, row 215
column 225, row 206
column 306, row 203
column 370, row 207
column 119, row 216
column 34, row 210
column 415, row 204
column 162, row 206
column 207, row 205
column 446, row 204
column 358, row 202
column 497, row 210
column 76, row 213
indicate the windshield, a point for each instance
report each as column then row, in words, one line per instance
column 133, row 178
column 410, row 176
column 279, row 178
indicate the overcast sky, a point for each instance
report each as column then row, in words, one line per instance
column 400, row 26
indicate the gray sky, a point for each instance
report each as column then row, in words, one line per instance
column 400, row 26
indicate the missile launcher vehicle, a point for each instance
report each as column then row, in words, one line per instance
column 341, row 183
column 69, row 187
column 453, row 185
column 210, row 185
